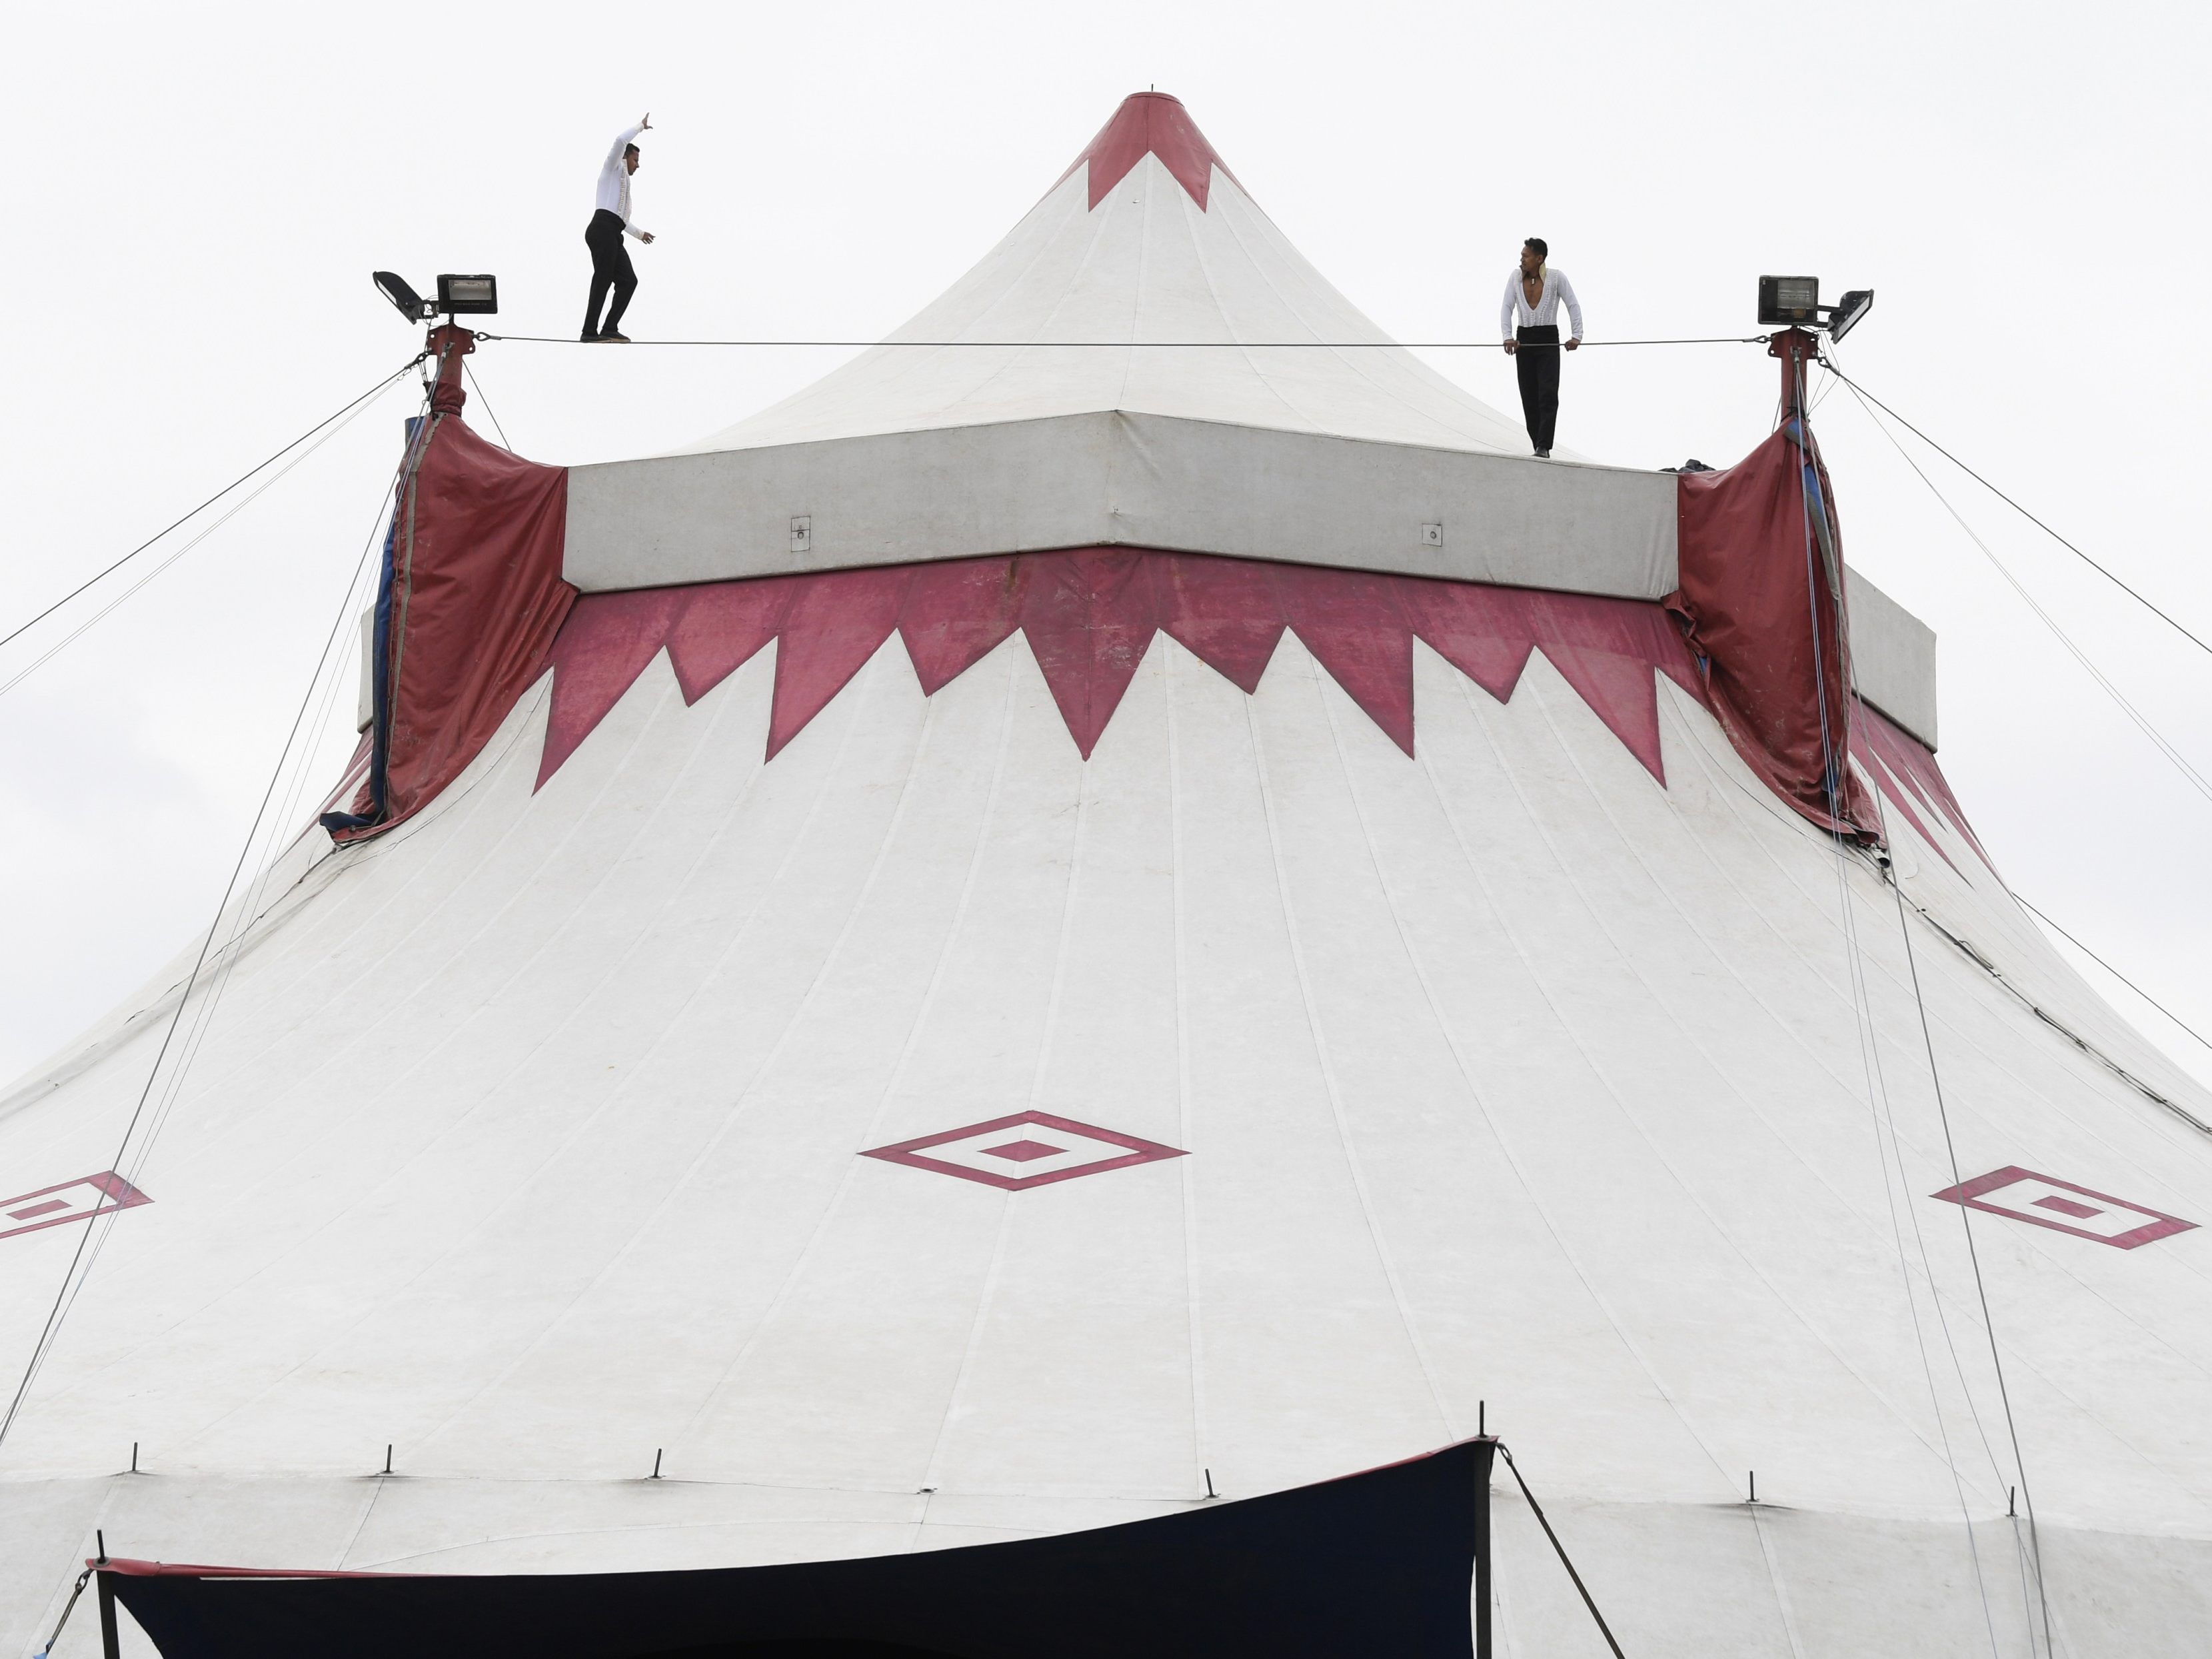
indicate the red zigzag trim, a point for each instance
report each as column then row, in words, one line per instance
column 1089, row 615
column 1898, row 762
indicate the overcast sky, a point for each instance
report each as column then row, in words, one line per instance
column 202, row 191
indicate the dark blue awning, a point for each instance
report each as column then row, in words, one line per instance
column 1379, row 1562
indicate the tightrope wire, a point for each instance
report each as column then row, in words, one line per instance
column 1126, row 345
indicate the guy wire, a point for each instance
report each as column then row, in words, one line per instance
column 1860, row 392
column 2178, row 1022
column 1812, row 474
column 72, row 1279
column 476, row 386
column 6, row 638
column 2180, row 762
column 1943, row 1116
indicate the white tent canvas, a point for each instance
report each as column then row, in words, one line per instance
column 931, row 1134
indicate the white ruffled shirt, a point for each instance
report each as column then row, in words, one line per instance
column 1546, row 311
column 614, row 182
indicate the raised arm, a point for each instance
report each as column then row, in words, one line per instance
column 623, row 142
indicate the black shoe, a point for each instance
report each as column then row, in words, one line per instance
column 611, row 337
column 1543, row 455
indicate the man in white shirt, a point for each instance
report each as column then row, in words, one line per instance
column 610, row 220
column 1530, row 322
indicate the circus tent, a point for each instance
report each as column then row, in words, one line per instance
column 1125, row 908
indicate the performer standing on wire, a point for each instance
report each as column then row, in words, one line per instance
column 1529, row 321
column 610, row 265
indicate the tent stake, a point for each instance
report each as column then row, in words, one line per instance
column 387, row 1457
column 655, row 1475
column 1210, row 1492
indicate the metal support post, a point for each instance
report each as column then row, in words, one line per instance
column 1485, row 1449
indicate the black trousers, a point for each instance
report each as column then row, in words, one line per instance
column 610, row 269
column 1537, row 363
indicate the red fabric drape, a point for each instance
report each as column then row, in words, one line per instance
column 1759, row 568
column 476, row 597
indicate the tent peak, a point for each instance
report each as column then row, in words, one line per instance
column 1154, row 124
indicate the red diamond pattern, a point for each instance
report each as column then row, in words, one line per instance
column 1076, row 1149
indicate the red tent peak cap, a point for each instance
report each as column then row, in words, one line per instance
column 1150, row 123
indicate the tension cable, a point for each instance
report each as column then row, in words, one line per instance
column 100, row 614
column 63, row 1624
column 1974, row 1260
column 476, row 386
column 1581, row 1588
column 258, row 466
column 1861, row 392
column 2181, row 763
column 2178, row 1020
column 95, row 1233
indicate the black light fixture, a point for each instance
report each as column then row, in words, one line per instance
column 1845, row 317
column 1789, row 300
column 468, row 296
column 405, row 299
column 1794, row 302
column 457, row 297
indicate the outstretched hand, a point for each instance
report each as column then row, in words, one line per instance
column 645, row 236
column 646, row 125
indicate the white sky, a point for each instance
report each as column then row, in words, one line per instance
column 201, row 193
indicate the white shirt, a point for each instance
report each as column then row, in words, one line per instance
column 1546, row 311
column 614, row 181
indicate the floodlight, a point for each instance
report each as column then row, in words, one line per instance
column 405, row 299
column 1789, row 300
column 468, row 296
column 1844, row 315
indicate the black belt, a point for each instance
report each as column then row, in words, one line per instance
column 1544, row 334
